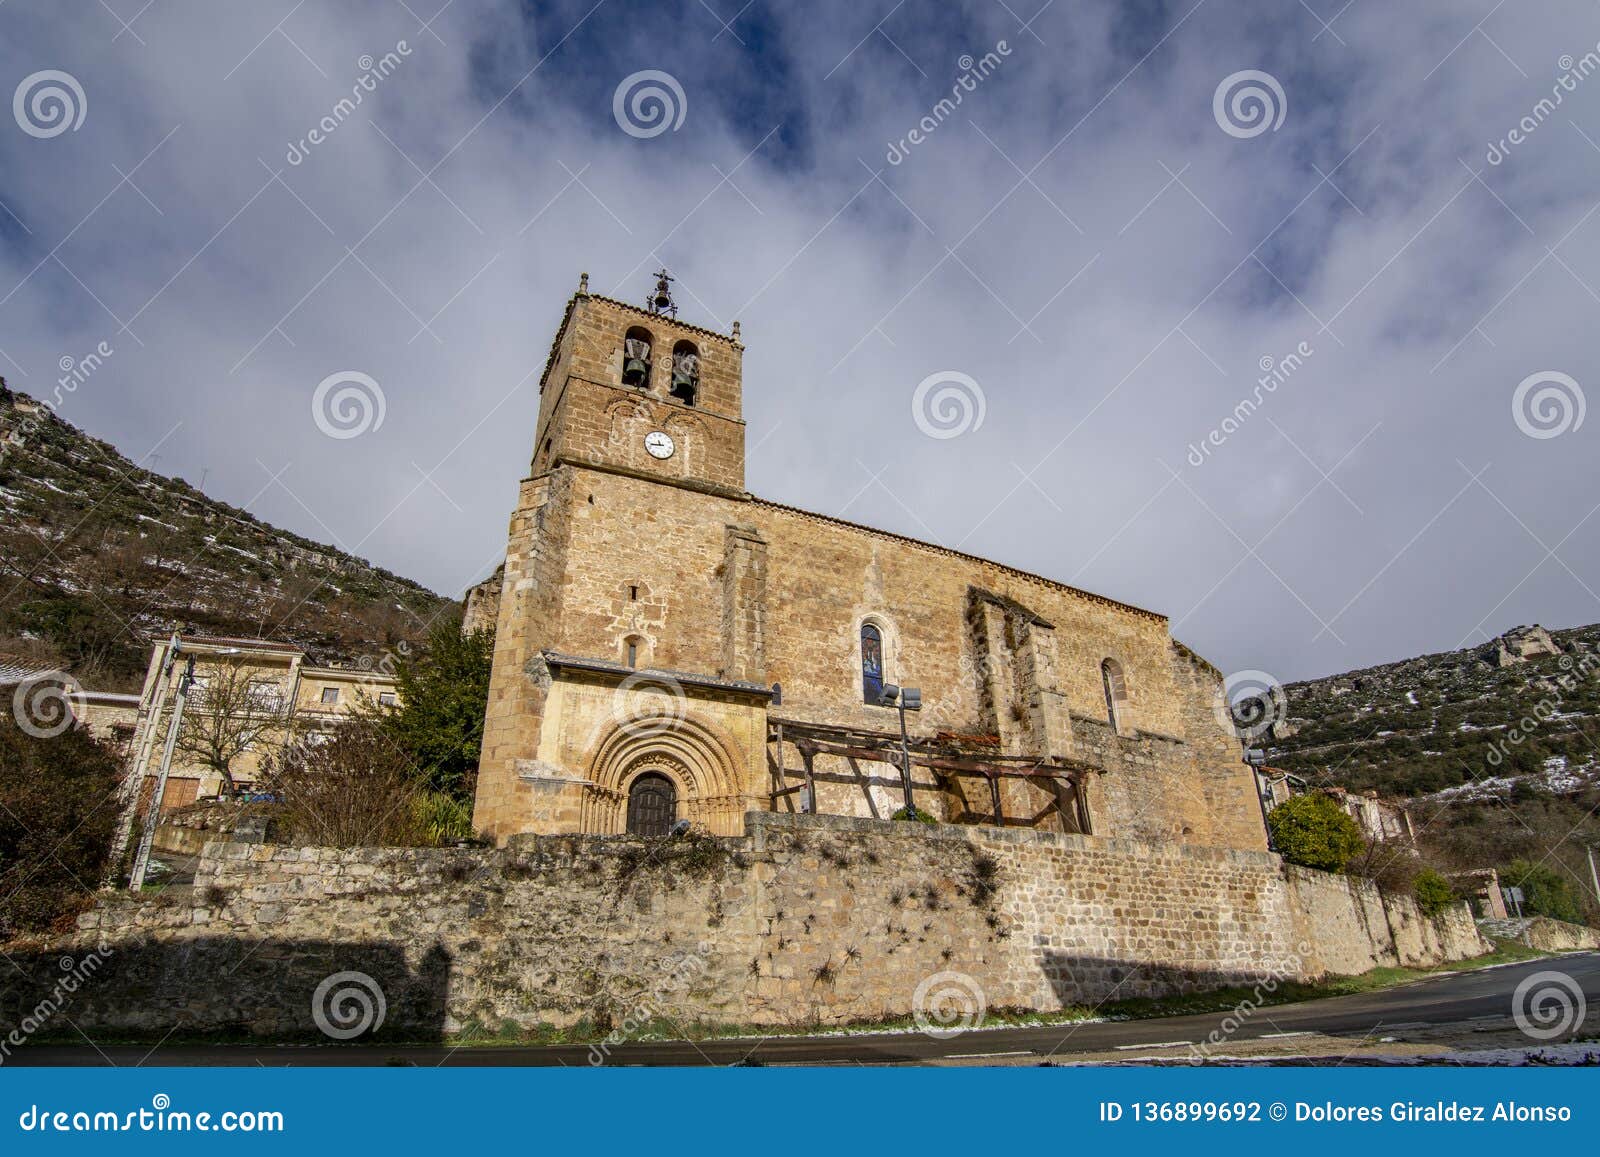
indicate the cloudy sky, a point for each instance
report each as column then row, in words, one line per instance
column 1095, row 253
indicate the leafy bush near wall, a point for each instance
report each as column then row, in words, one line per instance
column 1433, row 892
column 58, row 812
column 1545, row 892
column 442, row 818
column 438, row 722
column 917, row 815
column 1315, row 832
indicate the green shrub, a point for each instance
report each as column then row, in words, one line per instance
column 1434, row 893
column 1314, row 831
column 917, row 815
column 443, row 818
column 1545, row 892
column 58, row 813
column 438, row 723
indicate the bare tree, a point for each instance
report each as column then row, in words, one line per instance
column 229, row 711
column 351, row 787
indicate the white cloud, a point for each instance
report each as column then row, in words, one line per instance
column 1436, row 298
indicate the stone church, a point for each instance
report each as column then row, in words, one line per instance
column 671, row 647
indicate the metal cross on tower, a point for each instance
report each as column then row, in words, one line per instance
column 661, row 301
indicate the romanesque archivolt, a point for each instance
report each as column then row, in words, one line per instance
column 657, row 735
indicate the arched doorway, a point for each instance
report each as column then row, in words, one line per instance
column 652, row 805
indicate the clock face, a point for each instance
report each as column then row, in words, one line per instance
column 659, row 444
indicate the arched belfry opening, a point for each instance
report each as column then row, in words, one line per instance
column 636, row 350
column 685, row 372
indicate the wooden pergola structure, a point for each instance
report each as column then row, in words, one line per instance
column 946, row 760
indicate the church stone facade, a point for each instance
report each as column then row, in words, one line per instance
column 672, row 647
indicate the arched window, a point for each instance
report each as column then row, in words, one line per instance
column 652, row 805
column 871, row 663
column 685, row 372
column 636, row 348
column 1116, row 688
column 632, row 648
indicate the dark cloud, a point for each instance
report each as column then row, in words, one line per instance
column 1079, row 236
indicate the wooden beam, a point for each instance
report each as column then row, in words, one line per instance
column 872, row 804
column 811, row 784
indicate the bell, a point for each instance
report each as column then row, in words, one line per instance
column 634, row 372
column 662, row 298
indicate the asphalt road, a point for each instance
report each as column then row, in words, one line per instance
column 1465, row 997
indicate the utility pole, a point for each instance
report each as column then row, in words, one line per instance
column 1594, row 876
column 905, row 762
column 141, row 860
column 903, row 699
column 140, row 764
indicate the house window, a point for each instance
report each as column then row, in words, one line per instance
column 387, row 698
column 636, row 358
column 685, row 372
column 871, row 663
column 330, row 696
column 1116, row 689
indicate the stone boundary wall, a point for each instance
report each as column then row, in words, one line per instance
column 1542, row 933
column 805, row 920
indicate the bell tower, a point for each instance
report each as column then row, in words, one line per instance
column 633, row 390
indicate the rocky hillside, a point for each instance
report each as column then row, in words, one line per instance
column 1467, row 724
column 98, row 557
